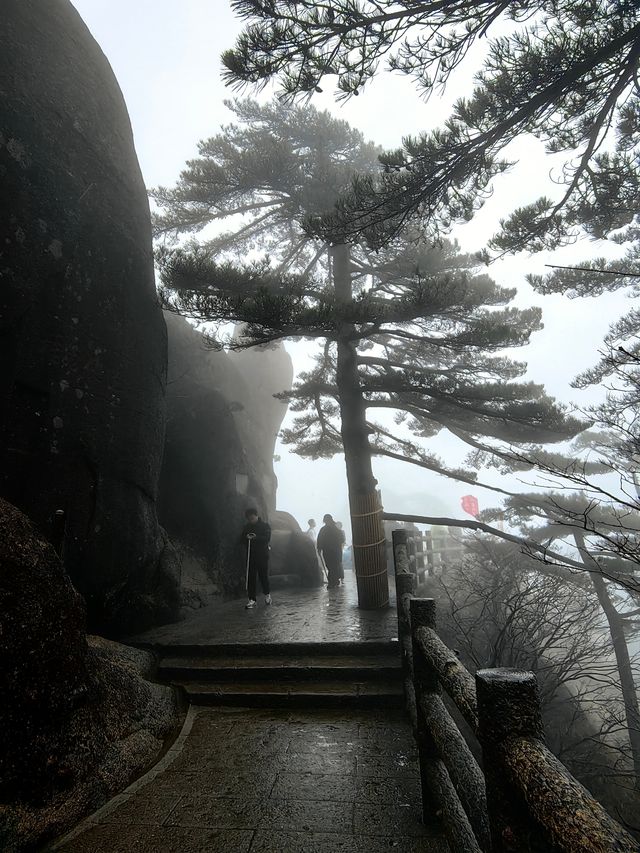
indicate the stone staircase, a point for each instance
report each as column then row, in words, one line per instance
column 317, row 675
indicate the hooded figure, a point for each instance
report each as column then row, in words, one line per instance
column 330, row 541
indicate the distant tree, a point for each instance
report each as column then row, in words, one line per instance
column 260, row 177
column 409, row 329
column 498, row 610
column 602, row 519
column 601, row 533
column 566, row 72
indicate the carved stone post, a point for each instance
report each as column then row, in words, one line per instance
column 420, row 567
column 428, row 542
column 411, row 548
column 405, row 588
column 400, row 552
column 508, row 707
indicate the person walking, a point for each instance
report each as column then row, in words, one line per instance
column 255, row 537
column 329, row 547
column 311, row 530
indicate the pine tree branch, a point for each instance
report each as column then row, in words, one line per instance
column 484, row 448
column 458, row 477
column 548, row 557
column 593, row 269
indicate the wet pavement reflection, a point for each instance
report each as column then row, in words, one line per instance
column 296, row 615
column 285, row 782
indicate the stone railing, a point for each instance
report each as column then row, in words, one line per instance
column 525, row 799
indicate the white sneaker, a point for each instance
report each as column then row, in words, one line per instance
column 267, row 598
column 251, row 603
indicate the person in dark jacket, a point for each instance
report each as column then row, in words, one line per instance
column 329, row 547
column 255, row 537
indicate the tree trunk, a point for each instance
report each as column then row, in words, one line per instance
column 369, row 547
column 621, row 651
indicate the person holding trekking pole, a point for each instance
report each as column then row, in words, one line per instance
column 329, row 547
column 255, row 537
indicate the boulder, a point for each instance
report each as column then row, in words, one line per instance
column 282, row 520
column 111, row 739
column 79, row 717
column 218, row 458
column 82, row 337
column 294, row 560
column 43, row 660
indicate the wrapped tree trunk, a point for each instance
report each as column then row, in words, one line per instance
column 369, row 548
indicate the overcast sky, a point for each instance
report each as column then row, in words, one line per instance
column 165, row 56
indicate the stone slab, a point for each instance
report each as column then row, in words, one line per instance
column 303, row 615
column 273, row 782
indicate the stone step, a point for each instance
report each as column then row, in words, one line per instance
column 317, row 694
column 285, row 651
column 356, row 674
column 279, row 669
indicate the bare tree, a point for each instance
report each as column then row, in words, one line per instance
column 497, row 609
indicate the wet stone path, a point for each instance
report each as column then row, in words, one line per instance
column 296, row 615
column 268, row 781
column 240, row 780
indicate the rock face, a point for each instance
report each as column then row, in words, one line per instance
column 82, row 338
column 221, row 429
column 265, row 372
column 43, row 658
column 78, row 719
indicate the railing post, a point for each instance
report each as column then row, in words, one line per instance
column 412, row 551
column 400, row 551
column 508, row 706
column 405, row 588
column 423, row 614
column 428, row 541
column 419, row 555
column 58, row 525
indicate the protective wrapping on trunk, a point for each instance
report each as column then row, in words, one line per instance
column 369, row 551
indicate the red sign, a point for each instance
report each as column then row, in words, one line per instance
column 470, row 505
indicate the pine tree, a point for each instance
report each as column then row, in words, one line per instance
column 621, row 353
column 409, row 329
column 262, row 176
column 431, row 356
column 565, row 72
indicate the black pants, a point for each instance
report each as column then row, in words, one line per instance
column 258, row 568
column 334, row 567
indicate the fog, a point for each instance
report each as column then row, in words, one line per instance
column 293, row 333
column 167, row 63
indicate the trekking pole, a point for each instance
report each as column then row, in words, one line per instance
column 325, row 570
column 248, row 558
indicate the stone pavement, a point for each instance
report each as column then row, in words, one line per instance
column 301, row 615
column 241, row 780
column 268, row 781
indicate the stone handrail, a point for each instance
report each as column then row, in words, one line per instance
column 457, row 682
column 525, row 800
